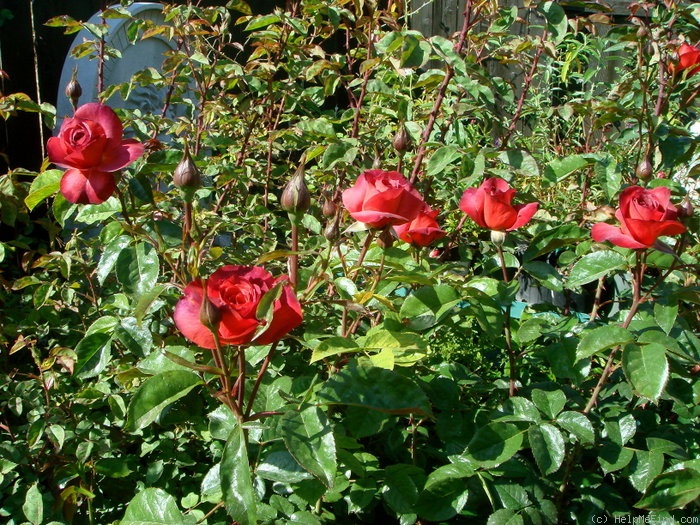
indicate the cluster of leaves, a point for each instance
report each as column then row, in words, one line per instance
column 392, row 402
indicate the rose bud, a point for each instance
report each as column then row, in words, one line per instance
column 186, row 174
column 209, row 313
column 329, row 208
column 644, row 169
column 74, row 90
column 402, row 140
column 332, row 230
column 295, row 198
column 685, row 208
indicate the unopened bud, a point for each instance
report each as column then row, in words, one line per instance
column 209, row 313
column 644, row 169
column 685, row 208
column 498, row 237
column 74, row 90
column 295, row 197
column 386, row 238
column 402, row 140
column 329, row 208
column 186, row 174
column 332, row 230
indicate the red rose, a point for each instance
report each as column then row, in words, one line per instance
column 688, row 58
column 87, row 186
column 236, row 292
column 421, row 231
column 490, row 206
column 644, row 216
column 380, row 198
column 91, row 141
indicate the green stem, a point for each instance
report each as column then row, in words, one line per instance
column 512, row 357
column 258, row 380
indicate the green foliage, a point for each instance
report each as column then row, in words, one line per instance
column 548, row 379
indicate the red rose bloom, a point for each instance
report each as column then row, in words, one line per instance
column 421, row 231
column 236, row 292
column 89, row 186
column 644, row 216
column 381, row 198
column 490, row 206
column 91, row 142
column 688, row 58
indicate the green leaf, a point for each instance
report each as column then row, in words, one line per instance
column 646, row 368
column 375, row 388
column 334, row 346
column 138, row 268
column 608, row 174
column 402, row 484
column 110, row 253
column 427, row 306
column 113, row 467
column 405, row 347
column 94, row 353
column 445, row 493
column 602, row 338
column 258, row 22
column 281, row 466
column 595, row 265
column 308, row 437
column 665, row 316
column 613, row 457
column 94, row 213
column 549, row 240
column 155, row 394
column 557, row 23
column 494, row 444
column 505, row 517
column 441, row 159
column 43, row 186
column 549, row 402
column 236, row 480
column 548, row 447
column 33, row 506
column 578, row 424
column 136, row 338
column 644, row 467
column 671, row 490
column 521, row 161
column 545, row 274
column 154, row 507
column 559, row 169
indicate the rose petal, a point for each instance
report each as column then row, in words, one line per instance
column 186, row 317
column 606, row 232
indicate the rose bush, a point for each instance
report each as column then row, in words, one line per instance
column 91, row 145
column 381, row 198
column 422, row 230
column 644, row 216
column 236, row 291
column 490, row 206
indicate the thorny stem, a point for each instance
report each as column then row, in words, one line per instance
column 258, row 380
column 241, row 375
column 523, row 96
column 637, row 276
column 220, row 362
column 449, row 74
